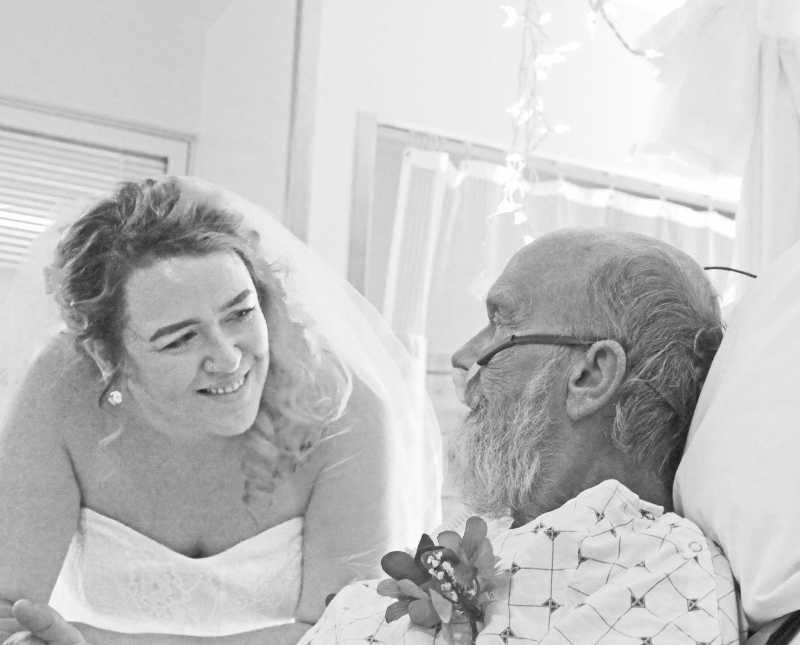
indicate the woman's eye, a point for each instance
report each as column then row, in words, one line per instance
column 180, row 341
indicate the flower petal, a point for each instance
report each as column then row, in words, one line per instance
column 422, row 613
column 396, row 610
column 485, row 559
column 425, row 542
column 443, row 607
column 400, row 565
column 410, row 590
column 464, row 574
column 474, row 533
column 440, row 553
column 450, row 539
column 389, row 587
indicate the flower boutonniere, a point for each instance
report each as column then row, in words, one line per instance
column 444, row 584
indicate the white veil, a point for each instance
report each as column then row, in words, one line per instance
column 329, row 307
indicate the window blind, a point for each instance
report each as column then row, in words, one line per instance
column 39, row 172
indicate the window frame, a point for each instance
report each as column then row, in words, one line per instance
column 85, row 129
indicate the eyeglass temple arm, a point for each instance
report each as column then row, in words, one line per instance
column 536, row 339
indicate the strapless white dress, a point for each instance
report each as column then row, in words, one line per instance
column 118, row 579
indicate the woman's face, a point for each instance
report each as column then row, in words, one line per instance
column 196, row 345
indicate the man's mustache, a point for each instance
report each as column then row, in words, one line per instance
column 466, row 384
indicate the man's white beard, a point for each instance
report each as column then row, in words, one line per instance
column 501, row 448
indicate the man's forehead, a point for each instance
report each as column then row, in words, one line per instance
column 547, row 277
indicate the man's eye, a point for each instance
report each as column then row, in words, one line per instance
column 497, row 320
column 180, row 341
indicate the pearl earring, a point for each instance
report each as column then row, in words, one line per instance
column 114, row 397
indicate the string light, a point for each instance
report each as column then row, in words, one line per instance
column 530, row 125
column 603, row 10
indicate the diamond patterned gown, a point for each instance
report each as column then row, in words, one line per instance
column 606, row 567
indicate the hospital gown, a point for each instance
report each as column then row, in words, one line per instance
column 606, row 567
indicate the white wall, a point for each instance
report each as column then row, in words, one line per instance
column 246, row 95
column 139, row 61
column 219, row 69
column 448, row 66
column 222, row 69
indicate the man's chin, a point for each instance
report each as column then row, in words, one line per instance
column 477, row 492
column 497, row 454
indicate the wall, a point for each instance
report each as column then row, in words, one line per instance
column 139, row 61
column 448, row 66
column 219, row 69
column 246, row 95
column 136, row 61
column 222, row 70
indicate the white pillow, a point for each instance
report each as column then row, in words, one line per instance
column 739, row 479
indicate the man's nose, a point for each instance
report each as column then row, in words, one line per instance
column 464, row 363
column 470, row 352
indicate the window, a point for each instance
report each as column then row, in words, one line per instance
column 50, row 157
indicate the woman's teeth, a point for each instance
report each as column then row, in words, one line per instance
column 226, row 389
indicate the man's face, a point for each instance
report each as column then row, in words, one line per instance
column 515, row 444
column 508, row 443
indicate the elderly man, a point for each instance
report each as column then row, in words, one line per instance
column 589, row 368
column 581, row 388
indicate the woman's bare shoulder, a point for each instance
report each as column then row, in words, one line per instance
column 362, row 426
column 62, row 357
column 60, row 390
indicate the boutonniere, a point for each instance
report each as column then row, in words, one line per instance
column 444, row 584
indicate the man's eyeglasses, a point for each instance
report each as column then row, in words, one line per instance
column 535, row 339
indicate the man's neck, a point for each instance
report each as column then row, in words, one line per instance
column 645, row 484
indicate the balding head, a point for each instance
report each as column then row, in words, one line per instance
column 560, row 270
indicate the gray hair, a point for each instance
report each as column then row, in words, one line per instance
column 665, row 313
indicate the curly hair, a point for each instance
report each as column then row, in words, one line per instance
column 668, row 321
column 144, row 222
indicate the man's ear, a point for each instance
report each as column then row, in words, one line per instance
column 98, row 351
column 595, row 379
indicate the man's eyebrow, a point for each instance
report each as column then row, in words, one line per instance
column 499, row 299
column 177, row 326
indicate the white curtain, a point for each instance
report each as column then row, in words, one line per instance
column 448, row 246
column 424, row 194
column 769, row 211
column 731, row 103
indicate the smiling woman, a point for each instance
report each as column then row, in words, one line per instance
column 198, row 358
column 202, row 457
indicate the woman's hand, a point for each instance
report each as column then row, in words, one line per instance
column 44, row 626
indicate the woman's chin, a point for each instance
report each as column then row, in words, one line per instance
column 233, row 424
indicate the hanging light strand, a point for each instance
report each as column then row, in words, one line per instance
column 599, row 8
column 530, row 125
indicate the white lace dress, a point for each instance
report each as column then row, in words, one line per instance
column 118, row 579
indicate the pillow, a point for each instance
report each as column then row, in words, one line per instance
column 739, row 478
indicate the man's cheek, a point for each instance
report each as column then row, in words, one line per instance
column 496, row 384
